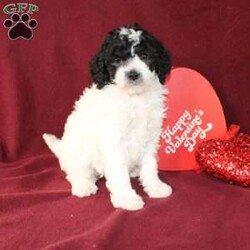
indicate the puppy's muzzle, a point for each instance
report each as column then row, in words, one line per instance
column 133, row 75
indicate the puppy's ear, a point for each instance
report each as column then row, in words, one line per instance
column 164, row 64
column 98, row 70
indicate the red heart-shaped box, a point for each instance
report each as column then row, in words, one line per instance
column 194, row 114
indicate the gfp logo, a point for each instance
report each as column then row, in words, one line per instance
column 20, row 24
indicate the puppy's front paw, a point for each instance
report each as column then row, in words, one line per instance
column 158, row 189
column 127, row 200
column 83, row 189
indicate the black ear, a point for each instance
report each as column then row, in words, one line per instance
column 98, row 70
column 164, row 64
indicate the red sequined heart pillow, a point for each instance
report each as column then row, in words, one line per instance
column 228, row 159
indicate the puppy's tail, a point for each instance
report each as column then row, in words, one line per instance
column 53, row 143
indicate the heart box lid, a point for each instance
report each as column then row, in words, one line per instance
column 194, row 114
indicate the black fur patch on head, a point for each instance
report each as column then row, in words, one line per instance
column 116, row 49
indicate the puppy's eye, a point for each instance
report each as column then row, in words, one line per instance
column 144, row 56
column 117, row 59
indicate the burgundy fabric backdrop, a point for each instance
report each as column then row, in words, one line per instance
column 41, row 78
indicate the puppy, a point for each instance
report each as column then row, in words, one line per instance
column 115, row 127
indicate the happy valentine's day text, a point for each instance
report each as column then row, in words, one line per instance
column 185, row 131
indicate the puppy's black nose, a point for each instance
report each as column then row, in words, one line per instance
column 133, row 75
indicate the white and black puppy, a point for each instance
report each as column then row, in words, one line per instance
column 115, row 127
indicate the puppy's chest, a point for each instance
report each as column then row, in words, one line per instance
column 142, row 118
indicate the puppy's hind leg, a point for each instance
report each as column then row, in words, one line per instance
column 82, row 178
